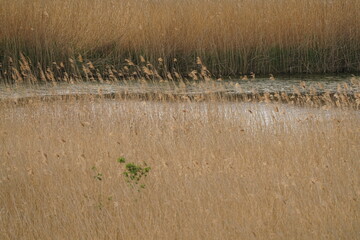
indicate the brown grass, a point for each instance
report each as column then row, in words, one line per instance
column 231, row 36
column 220, row 170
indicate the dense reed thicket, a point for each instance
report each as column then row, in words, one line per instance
column 231, row 36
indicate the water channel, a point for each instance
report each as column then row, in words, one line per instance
column 288, row 84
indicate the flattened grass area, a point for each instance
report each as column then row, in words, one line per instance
column 220, row 170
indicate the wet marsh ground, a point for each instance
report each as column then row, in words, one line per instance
column 347, row 83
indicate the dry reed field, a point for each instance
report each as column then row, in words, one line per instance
column 219, row 170
column 231, row 36
column 152, row 119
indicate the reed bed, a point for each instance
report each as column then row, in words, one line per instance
column 225, row 164
column 220, row 170
column 231, row 36
column 148, row 81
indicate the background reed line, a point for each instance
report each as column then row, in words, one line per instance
column 230, row 36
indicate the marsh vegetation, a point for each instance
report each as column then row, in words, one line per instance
column 231, row 36
column 95, row 94
column 219, row 170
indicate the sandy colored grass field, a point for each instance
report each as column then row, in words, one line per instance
column 231, row 36
column 220, row 170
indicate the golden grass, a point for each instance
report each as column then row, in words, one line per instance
column 231, row 36
column 220, row 170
